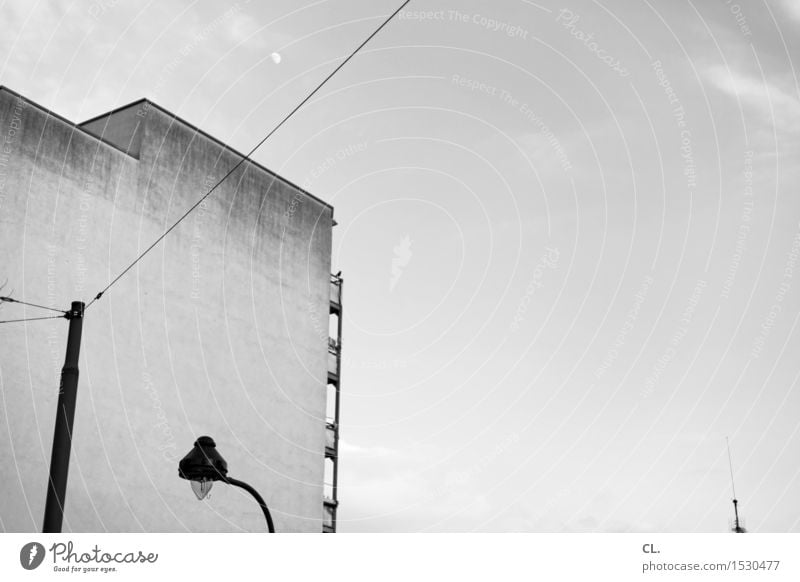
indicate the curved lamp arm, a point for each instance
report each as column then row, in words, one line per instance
column 254, row 493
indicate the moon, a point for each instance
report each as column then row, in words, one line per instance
column 276, row 58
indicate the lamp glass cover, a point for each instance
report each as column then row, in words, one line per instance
column 201, row 488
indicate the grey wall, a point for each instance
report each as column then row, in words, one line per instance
column 220, row 330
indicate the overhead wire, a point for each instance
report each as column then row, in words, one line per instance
column 12, row 300
column 245, row 158
column 33, row 319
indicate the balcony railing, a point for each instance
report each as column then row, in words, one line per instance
column 329, row 515
column 336, row 291
column 333, row 346
column 334, row 349
column 330, row 439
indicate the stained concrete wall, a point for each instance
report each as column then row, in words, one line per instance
column 220, row 330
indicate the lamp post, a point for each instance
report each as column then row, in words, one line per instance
column 65, row 416
column 203, row 465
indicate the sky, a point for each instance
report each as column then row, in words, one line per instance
column 569, row 234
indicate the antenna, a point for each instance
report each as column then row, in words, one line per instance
column 737, row 528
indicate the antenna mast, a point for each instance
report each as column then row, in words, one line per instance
column 737, row 528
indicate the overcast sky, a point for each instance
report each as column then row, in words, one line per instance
column 569, row 232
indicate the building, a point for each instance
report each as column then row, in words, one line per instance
column 222, row 329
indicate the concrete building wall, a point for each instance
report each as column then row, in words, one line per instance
column 220, row 330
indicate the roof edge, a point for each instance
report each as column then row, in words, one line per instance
column 62, row 119
column 79, row 126
column 113, row 111
column 215, row 140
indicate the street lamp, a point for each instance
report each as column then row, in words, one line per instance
column 204, row 465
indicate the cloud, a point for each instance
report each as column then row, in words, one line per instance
column 242, row 28
column 387, row 489
column 768, row 100
column 792, row 8
column 370, row 451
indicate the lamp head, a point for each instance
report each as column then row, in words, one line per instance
column 202, row 466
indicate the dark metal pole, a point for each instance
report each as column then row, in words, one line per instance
column 65, row 414
column 254, row 493
column 737, row 528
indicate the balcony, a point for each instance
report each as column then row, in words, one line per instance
column 329, row 516
column 334, row 351
column 330, row 440
column 336, row 294
column 329, row 487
